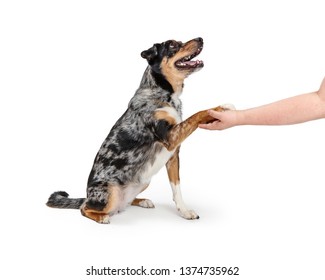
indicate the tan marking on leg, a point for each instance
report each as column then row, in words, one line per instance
column 182, row 130
column 143, row 202
column 173, row 168
column 98, row 217
column 102, row 216
column 136, row 201
column 173, row 173
column 163, row 115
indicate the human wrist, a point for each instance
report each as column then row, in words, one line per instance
column 240, row 117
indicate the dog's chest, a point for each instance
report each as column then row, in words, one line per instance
column 128, row 194
column 152, row 167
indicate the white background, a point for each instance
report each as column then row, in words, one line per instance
column 67, row 72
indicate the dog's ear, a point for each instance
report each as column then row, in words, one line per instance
column 150, row 54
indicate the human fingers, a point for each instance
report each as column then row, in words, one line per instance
column 211, row 126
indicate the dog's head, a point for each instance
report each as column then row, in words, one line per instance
column 174, row 60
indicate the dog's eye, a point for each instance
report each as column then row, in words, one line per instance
column 173, row 45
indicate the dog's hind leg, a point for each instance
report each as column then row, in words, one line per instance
column 97, row 216
column 173, row 174
column 101, row 203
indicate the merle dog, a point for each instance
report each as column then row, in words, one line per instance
column 145, row 138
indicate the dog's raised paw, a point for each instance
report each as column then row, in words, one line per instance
column 228, row 106
column 146, row 203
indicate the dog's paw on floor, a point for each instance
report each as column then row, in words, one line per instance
column 146, row 203
column 189, row 214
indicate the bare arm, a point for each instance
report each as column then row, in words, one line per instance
column 293, row 110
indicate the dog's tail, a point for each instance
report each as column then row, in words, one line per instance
column 62, row 200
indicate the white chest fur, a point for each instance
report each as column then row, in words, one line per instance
column 153, row 166
column 127, row 194
column 151, row 169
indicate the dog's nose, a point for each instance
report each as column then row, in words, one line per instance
column 199, row 39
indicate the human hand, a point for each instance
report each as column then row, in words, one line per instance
column 223, row 120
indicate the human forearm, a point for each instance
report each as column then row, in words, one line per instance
column 297, row 109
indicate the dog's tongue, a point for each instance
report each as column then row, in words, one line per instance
column 193, row 62
column 190, row 63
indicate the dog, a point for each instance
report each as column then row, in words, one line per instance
column 144, row 139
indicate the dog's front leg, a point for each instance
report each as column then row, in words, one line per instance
column 175, row 137
column 182, row 130
column 173, row 173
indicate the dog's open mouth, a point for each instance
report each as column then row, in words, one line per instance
column 187, row 62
